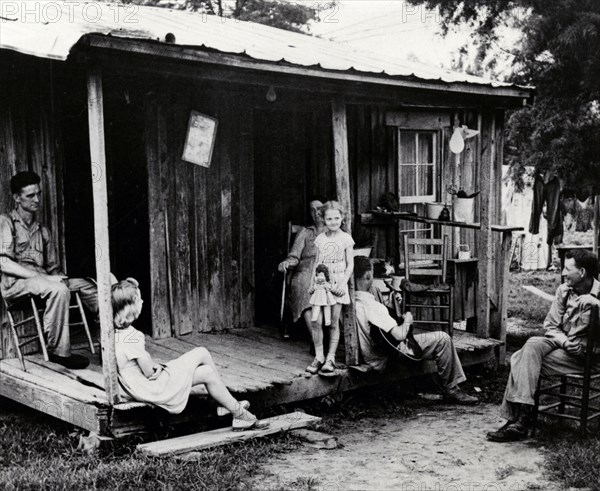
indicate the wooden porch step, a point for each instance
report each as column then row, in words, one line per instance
column 225, row 436
column 467, row 341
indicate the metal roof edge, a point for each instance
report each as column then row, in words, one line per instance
column 155, row 48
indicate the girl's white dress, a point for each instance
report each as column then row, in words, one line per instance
column 332, row 253
column 171, row 390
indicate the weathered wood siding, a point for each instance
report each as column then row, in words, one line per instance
column 30, row 140
column 209, row 213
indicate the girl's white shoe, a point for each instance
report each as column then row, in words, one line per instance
column 223, row 411
column 253, row 424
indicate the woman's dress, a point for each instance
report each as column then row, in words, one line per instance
column 301, row 259
column 171, row 390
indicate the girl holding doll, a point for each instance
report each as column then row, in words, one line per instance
column 334, row 250
column 167, row 385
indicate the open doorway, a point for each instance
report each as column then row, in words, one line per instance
column 127, row 187
column 292, row 165
column 280, row 168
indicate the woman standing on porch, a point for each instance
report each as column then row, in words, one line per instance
column 166, row 385
column 301, row 260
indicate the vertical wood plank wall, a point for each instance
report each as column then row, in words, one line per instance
column 209, row 210
column 29, row 140
column 373, row 171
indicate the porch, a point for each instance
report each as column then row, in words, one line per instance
column 255, row 364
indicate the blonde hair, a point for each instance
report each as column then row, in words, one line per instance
column 124, row 298
column 332, row 205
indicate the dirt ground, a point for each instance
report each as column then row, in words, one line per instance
column 433, row 450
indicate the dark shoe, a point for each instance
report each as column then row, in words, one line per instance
column 73, row 362
column 457, row 396
column 510, row 432
column 518, row 430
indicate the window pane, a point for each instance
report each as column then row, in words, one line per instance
column 425, row 180
column 408, row 147
column 425, row 148
column 408, row 180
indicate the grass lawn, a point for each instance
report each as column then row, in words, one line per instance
column 39, row 452
column 524, row 304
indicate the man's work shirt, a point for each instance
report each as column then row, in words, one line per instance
column 29, row 246
column 369, row 310
column 569, row 315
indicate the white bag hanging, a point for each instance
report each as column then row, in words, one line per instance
column 457, row 144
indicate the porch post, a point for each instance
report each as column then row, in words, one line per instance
column 596, row 222
column 342, row 184
column 487, row 148
column 503, row 280
column 98, row 159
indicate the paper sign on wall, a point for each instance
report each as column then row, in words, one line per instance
column 200, row 140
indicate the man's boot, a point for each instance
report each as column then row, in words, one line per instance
column 516, row 430
column 520, row 428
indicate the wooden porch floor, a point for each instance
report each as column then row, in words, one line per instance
column 255, row 364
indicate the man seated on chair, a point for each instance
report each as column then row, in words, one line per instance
column 29, row 266
column 558, row 352
column 435, row 345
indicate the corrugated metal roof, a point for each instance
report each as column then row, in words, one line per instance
column 50, row 29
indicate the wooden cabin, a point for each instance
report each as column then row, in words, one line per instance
column 100, row 107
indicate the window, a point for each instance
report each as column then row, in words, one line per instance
column 417, row 166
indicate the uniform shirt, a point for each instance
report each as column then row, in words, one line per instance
column 31, row 246
column 569, row 315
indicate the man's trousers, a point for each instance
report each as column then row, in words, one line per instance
column 57, row 297
column 539, row 355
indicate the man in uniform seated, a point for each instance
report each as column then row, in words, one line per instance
column 29, row 266
column 435, row 345
column 558, row 352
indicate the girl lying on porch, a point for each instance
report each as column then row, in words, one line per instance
column 166, row 385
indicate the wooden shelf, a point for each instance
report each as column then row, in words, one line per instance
column 506, row 228
column 379, row 218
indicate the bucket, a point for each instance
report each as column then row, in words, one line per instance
column 464, row 210
column 396, row 282
column 434, row 210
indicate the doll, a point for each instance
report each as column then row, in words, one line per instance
column 322, row 296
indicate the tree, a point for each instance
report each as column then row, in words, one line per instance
column 276, row 13
column 559, row 53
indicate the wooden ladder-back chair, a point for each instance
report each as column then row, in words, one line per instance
column 428, row 259
column 31, row 313
column 574, row 390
